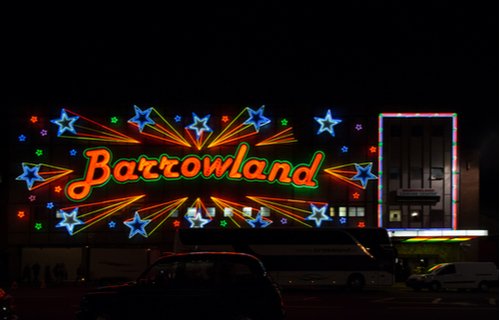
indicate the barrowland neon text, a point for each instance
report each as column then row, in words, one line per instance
column 239, row 166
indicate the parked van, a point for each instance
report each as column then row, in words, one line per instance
column 456, row 275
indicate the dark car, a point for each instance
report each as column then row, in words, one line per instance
column 195, row 285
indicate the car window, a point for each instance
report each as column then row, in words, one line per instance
column 199, row 272
column 449, row 269
column 161, row 273
column 181, row 274
column 233, row 272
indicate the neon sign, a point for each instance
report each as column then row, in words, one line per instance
column 189, row 145
column 235, row 167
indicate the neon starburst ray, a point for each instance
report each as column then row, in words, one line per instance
column 200, row 141
column 223, row 203
column 162, row 210
column 98, row 132
column 110, row 207
column 282, row 207
column 282, row 137
column 48, row 175
column 231, row 130
column 163, row 130
column 348, row 176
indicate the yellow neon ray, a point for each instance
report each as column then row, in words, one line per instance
column 98, row 133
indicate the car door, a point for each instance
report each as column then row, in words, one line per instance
column 449, row 278
column 173, row 289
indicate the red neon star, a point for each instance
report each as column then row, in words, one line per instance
column 373, row 149
column 361, row 224
column 34, row 119
column 20, row 214
column 176, row 223
column 355, row 195
column 58, row 189
column 225, row 118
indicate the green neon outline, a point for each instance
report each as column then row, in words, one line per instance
column 225, row 175
column 85, row 175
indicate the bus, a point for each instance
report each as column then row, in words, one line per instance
column 343, row 257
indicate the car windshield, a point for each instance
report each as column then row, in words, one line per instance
column 200, row 271
column 436, row 268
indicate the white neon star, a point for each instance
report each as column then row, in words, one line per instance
column 197, row 221
column 199, row 125
column 65, row 123
column 327, row 123
column 318, row 215
column 70, row 220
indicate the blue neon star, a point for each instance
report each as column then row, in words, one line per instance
column 142, row 118
column 197, row 221
column 137, row 226
column 50, row 205
column 343, row 220
column 344, row 149
column 178, row 118
column 318, row 215
column 65, row 123
column 256, row 118
column 70, row 220
column 259, row 221
column 30, row 175
column 327, row 123
column 111, row 224
column 199, row 125
column 22, row 138
column 72, row 152
column 364, row 174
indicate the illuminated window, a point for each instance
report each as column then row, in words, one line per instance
column 360, row 211
column 191, row 212
column 228, row 212
column 352, row 211
column 394, row 215
column 342, row 211
column 247, row 211
column 265, row 212
column 211, row 211
column 332, row 211
column 356, row 211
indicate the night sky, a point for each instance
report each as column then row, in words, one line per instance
column 372, row 57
